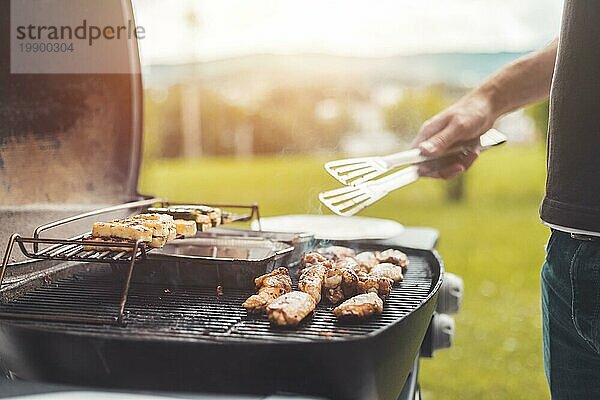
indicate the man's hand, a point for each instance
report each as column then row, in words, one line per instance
column 522, row 82
column 467, row 119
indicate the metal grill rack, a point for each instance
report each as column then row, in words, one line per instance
column 73, row 249
column 199, row 314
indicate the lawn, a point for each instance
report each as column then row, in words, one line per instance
column 493, row 239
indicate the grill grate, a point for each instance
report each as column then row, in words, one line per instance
column 194, row 313
column 76, row 252
column 73, row 249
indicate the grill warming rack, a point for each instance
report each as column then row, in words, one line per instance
column 72, row 249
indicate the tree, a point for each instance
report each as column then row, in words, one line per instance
column 286, row 120
column 415, row 107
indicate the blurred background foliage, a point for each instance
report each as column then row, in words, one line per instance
column 416, row 106
column 300, row 119
column 286, row 119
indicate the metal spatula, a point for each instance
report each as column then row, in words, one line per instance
column 349, row 200
column 355, row 171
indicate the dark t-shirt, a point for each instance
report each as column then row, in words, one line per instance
column 573, row 184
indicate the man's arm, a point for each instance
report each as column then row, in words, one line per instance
column 522, row 82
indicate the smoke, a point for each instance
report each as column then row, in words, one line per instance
column 313, row 205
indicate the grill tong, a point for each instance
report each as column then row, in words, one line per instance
column 358, row 174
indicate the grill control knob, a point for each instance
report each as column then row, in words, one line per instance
column 450, row 295
column 442, row 331
column 440, row 334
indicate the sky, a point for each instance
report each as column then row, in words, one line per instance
column 187, row 30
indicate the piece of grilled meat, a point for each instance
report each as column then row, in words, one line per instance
column 268, row 287
column 340, row 284
column 334, row 252
column 291, row 308
column 367, row 260
column 393, row 256
column 311, row 280
column 349, row 263
column 360, row 306
column 376, row 284
column 388, row 270
column 311, row 258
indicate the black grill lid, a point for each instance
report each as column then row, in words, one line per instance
column 68, row 143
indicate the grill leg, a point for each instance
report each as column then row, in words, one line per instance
column 7, row 255
column 121, row 318
column 411, row 389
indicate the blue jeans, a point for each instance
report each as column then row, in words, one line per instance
column 571, row 317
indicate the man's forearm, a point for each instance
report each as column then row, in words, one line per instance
column 522, row 82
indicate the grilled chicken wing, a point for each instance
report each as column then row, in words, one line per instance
column 393, row 256
column 340, row 284
column 291, row 308
column 312, row 259
column 269, row 287
column 349, row 263
column 311, row 281
column 367, row 260
column 387, row 270
column 333, row 252
column 361, row 306
column 376, row 284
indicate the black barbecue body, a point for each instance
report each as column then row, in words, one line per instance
column 366, row 364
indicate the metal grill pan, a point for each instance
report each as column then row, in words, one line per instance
column 210, row 262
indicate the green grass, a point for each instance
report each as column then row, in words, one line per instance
column 493, row 239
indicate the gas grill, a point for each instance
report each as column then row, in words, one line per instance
column 190, row 338
column 138, row 319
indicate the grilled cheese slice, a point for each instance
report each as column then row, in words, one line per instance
column 162, row 225
column 154, row 228
column 102, row 229
column 214, row 214
column 153, row 232
column 120, row 230
column 203, row 221
column 159, row 228
column 156, row 217
column 158, row 241
column 226, row 217
column 108, row 248
column 185, row 228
